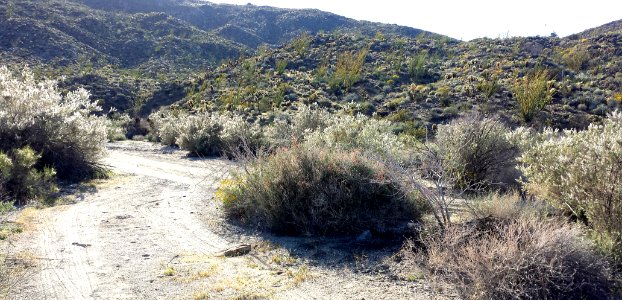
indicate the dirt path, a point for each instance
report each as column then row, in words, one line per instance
column 151, row 232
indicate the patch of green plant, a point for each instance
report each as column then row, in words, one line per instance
column 348, row 70
column 533, row 93
column 281, row 64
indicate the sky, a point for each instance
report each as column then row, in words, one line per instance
column 470, row 19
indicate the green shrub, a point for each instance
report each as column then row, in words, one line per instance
column 475, row 152
column 581, row 172
column 301, row 43
column 20, row 181
column 349, row 69
column 576, row 58
column 305, row 190
column 523, row 258
column 489, row 87
column 532, row 93
column 62, row 129
column 417, row 69
column 280, row 66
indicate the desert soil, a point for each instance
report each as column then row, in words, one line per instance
column 154, row 231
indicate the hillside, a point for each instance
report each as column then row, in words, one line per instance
column 130, row 52
column 423, row 81
column 137, row 56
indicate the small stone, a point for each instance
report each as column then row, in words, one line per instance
column 239, row 250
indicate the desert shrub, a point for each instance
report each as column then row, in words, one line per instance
column 360, row 132
column 117, row 128
column 509, row 206
column 417, row 68
column 524, row 258
column 581, row 172
column 280, row 66
column 301, row 43
column 532, row 93
column 476, row 152
column 293, row 129
column 305, row 190
column 349, row 69
column 208, row 134
column 62, row 129
column 576, row 58
column 489, row 87
column 21, row 181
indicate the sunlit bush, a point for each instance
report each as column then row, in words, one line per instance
column 62, row 129
column 209, row 134
column 476, row 152
column 581, row 172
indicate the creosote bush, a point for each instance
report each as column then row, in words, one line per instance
column 305, row 190
column 62, row 129
column 522, row 258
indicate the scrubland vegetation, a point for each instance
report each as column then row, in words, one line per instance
column 539, row 210
column 451, row 144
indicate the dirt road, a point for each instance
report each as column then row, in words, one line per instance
column 152, row 231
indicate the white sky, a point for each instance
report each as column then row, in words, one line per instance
column 470, row 19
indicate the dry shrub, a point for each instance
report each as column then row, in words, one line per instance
column 523, row 258
column 306, row 190
column 476, row 152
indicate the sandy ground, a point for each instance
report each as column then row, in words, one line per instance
column 153, row 231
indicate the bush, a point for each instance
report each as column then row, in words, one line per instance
column 581, row 172
column 476, row 152
column 532, row 93
column 349, row 69
column 20, row 181
column 62, row 129
column 524, row 258
column 283, row 132
column 576, row 58
column 372, row 136
column 306, row 190
column 209, row 134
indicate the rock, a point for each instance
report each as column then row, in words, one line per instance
column 239, row 250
